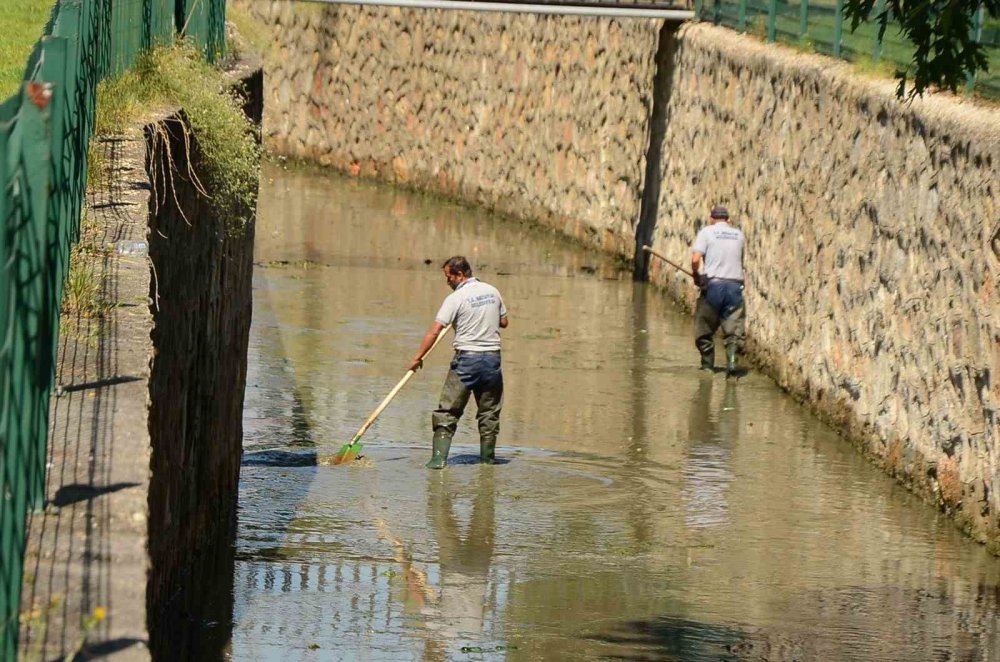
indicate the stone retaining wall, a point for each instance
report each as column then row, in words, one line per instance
column 872, row 224
column 540, row 118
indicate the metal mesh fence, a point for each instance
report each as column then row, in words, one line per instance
column 44, row 132
column 204, row 21
column 819, row 25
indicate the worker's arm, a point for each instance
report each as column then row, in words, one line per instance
column 696, row 259
column 503, row 322
column 425, row 345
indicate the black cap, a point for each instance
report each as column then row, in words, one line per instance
column 719, row 212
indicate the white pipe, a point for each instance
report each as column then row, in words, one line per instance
column 608, row 10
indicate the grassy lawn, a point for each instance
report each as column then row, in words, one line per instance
column 21, row 24
column 857, row 46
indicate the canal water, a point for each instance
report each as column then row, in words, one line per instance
column 643, row 510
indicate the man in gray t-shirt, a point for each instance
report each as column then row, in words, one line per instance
column 477, row 313
column 719, row 247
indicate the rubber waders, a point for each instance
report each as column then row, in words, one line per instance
column 708, row 362
column 487, row 450
column 439, row 453
column 731, row 361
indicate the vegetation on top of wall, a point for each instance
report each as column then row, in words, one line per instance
column 22, row 23
column 179, row 77
column 85, row 299
column 250, row 35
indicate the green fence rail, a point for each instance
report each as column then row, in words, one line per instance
column 44, row 132
column 820, row 25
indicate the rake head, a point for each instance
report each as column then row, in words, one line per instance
column 347, row 453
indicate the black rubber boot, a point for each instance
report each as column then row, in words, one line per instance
column 708, row 362
column 487, row 450
column 439, row 455
column 731, row 361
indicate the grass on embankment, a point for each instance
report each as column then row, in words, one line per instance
column 179, row 77
column 22, row 23
column 858, row 46
column 163, row 80
column 250, row 35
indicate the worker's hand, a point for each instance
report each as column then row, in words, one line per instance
column 696, row 277
column 416, row 364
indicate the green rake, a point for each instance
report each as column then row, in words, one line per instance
column 349, row 452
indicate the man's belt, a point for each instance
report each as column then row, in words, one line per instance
column 725, row 280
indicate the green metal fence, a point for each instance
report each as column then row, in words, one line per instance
column 819, row 25
column 44, row 132
column 204, row 21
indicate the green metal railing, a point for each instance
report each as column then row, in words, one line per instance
column 819, row 25
column 44, row 132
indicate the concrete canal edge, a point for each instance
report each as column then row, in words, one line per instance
column 874, row 243
column 133, row 555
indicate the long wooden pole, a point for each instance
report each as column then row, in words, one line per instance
column 664, row 258
column 396, row 389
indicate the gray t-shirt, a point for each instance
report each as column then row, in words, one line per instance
column 474, row 309
column 722, row 246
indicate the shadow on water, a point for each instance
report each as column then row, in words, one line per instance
column 854, row 623
column 672, row 639
column 280, row 459
column 299, row 437
column 465, row 459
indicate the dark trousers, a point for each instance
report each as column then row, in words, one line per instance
column 471, row 373
column 720, row 304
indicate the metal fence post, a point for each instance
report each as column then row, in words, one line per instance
column 772, row 17
column 838, row 28
column 741, row 21
column 698, row 6
column 976, row 34
column 803, row 19
column 877, row 51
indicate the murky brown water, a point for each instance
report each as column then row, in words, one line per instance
column 645, row 511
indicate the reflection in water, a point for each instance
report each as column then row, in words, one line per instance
column 706, row 470
column 462, row 605
column 637, row 455
column 647, row 511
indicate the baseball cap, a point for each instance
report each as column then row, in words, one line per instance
column 719, row 212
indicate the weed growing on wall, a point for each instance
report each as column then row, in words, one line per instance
column 179, row 77
column 249, row 35
column 85, row 302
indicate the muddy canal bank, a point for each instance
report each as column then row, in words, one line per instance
column 643, row 509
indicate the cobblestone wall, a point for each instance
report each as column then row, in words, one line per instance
column 873, row 249
column 536, row 117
